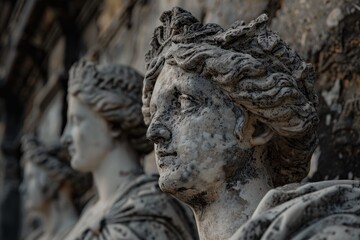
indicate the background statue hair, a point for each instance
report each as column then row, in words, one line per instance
column 256, row 70
column 54, row 161
column 113, row 91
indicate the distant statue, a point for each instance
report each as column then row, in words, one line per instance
column 105, row 134
column 232, row 115
column 49, row 189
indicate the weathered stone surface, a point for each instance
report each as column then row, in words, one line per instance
column 321, row 210
column 232, row 113
column 311, row 23
column 225, row 13
column 105, row 134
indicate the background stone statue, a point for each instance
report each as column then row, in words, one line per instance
column 49, row 188
column 232, row 114
column 105, row 134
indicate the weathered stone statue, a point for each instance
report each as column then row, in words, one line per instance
column 49, row 188
column 232, row 114
column 105, row 134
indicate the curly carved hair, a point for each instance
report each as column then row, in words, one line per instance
column 55, row 162
column 113, row 91
column 259, row 73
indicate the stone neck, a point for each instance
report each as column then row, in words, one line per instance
column 234, row 205
column 116, row 170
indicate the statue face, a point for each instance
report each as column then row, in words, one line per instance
column 192, row 126
column 87, row 135
column 34, row 187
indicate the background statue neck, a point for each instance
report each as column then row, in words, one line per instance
column 116, row 170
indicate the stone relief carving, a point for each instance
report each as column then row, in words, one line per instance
column 50, row 188
column 232, row 114
column 105, row 134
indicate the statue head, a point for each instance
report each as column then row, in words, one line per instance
column 212, row 97
column 104, row 108
column 46, row 172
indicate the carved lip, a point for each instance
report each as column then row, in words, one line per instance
column 162, row 154
column 71, row 150
column 165, row 158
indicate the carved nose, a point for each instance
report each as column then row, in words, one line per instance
column 66, row 137
column 158, row 133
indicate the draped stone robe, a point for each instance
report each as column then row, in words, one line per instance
column 142, row 211
column 321, row 210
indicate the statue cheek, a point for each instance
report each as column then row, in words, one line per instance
column 188, row 148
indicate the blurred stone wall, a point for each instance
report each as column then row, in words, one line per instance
column 127, row 41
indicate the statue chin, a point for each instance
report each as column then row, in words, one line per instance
column 79, row 165
column 174, row 187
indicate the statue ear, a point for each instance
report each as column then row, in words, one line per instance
column 250, row 131
column 261, row 133
column 115, row 130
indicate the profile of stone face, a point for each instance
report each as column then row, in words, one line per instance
column 105, row 134
column 50, row 188
column 232, row 114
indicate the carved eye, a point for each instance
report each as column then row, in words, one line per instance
column 74, row 120
column 187, row 103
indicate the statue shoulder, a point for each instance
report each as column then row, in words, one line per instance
column 328, row 208
column 147, row 211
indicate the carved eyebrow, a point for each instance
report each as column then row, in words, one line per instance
column 195, row 94
column 198, row 97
